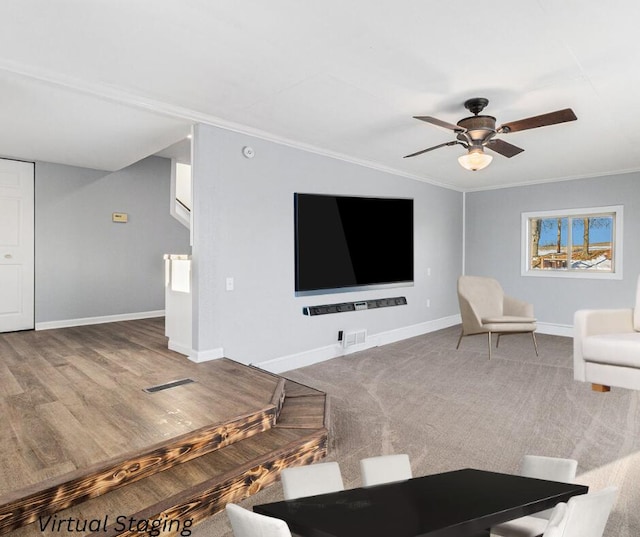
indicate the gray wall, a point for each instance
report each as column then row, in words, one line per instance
column 493, row 238
column 87, row 266
column 243, row 228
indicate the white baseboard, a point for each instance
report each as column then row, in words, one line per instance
column 552, row 329
column 407, row 332
column 179, row 347
column 301, row 359
column 67, row 323
column 205, row 356
column 321, row 354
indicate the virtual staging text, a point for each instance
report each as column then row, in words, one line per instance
column 151, row 527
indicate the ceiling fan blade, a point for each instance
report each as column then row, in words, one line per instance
column 454, row 142
column 552, row 118
column 504, row 148
column 440, row 123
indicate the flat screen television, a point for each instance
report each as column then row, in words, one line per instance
column 349, row 243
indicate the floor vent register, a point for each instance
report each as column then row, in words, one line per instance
column 167, row 385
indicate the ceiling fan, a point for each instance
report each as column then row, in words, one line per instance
column 477, row 132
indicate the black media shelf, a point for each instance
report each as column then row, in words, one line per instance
column 355, row 306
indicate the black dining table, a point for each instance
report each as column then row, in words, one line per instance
column 460, row 503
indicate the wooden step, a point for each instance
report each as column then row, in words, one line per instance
column 191, row 491
column 73, row 397
column 306, row 408
column 201, row 501
column 83, row 438
column 28, row 504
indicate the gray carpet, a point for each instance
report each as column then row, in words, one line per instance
column 453, row 409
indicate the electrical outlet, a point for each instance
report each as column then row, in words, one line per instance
column 230, row 284
column 428, row 302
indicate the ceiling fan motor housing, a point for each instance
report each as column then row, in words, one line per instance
column 478, row 128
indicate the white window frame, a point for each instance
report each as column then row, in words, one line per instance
column 616, row 274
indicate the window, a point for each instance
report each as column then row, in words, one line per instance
column 183, row 185
column 581, row 243
column 180, row 207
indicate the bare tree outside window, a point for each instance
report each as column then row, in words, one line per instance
column 573, row 242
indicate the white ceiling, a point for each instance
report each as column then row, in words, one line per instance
column 104, row 83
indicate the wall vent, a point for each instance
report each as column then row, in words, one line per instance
column 354, row 338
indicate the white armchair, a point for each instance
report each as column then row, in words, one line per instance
column 606, row 347
column 485, row 309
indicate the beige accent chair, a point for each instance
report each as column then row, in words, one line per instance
column 485, row 309
column 606, row 347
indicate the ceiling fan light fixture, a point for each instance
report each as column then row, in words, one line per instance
column 478, row 131
column 476, row 159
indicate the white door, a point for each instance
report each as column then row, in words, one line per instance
column 16, row 245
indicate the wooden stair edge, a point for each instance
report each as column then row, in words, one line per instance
column 327, row 410
column 23, row 506
column 277, row 399
column 308, row 389
column 211, row 496
column 285, row 394
column 311, row 389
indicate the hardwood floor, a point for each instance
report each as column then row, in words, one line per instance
column 74, row 397
column 81, row 440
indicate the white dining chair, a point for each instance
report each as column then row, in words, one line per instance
column 385, row 469
column 311, row 480
column 539, row 467
column 582, row 516
column 245, row 523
